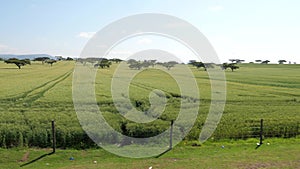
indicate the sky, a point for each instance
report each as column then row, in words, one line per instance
column 248, row 30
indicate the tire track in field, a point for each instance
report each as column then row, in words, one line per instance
column 25, row 94
column 45, row 87
column 169, row 95
column 29, row 100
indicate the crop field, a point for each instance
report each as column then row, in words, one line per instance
column 36, row 94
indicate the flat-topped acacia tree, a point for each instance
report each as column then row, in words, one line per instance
column 103, row 63
column 169, row 64
column 265, row 62
column 199, row 65
column 281, row 61
column 18, row 62
column 231, row 66
column 50, row 61
column 236, row 60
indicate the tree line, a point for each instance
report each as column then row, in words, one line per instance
column 205, row 66
column 22, row 62
column 134, row 64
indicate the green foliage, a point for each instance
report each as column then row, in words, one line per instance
column 18, row 62
column 69, row 59
column 116, row 60
column 103, row 63
column 281, row 61
column 169, row 64
column 133, row 64
column 50, row 61
column 231, row 66
column 199, row 65
column 265, row 62
column 41, row 59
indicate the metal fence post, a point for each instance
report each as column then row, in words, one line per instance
column 171, row 134
column 53, row 136
column 261, row 131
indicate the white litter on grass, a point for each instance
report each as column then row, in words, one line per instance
column 268, row 144
column 150, row 167
column 257, row 144
column 95, row 162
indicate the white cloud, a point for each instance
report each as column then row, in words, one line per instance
column 216, row 8
column 86, row 34
column 144, row 41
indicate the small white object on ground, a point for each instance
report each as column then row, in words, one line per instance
column 268, row 144
column 257, row 144
column 150, row 167
column 95, row 162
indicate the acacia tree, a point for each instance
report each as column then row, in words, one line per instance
column 199, row 65
column 152, row 62
column 281, row 61
column 50, row 61
column 103, row 63
column 236, row 60
column 169, row 64
column 133, row 64
column 231, row 66
column 42, row 59
column 69, row 59
column 146, row 64
column 18, row 62
column 136, row 65
column 116, row 60
column 265, row 62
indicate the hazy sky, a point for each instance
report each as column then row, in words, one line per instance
column 257, row 29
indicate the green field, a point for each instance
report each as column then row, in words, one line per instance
column 280, row 153
column 34, row 95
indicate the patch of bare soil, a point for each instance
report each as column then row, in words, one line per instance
column 25, row 157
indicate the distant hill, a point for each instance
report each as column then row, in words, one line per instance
column 28, row 56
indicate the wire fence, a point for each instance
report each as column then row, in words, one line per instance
column 56, row 136
column 257, row 128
